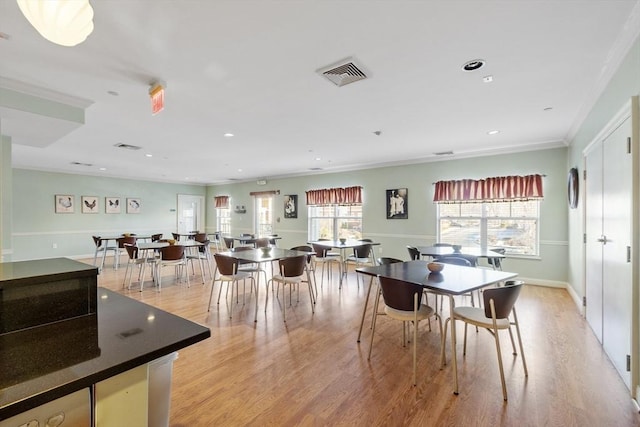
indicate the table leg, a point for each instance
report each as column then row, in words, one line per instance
column 364, row 309
column 454, row 358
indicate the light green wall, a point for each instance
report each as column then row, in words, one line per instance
column 36, row 228
column 420, row 227
column 624, row 84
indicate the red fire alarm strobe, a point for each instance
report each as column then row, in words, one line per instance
column 157, row 98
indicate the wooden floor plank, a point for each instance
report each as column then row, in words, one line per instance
column 311, row 371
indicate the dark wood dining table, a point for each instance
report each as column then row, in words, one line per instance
column 453, row 280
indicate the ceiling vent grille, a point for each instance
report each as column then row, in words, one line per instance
column 343, row 73
column 444, row 153
column 127, row 146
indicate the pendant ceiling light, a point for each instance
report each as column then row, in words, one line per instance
column 64, row 22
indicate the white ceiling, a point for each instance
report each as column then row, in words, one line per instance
column 250, row 68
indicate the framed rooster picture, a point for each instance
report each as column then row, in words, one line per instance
column 89, row 204
column 112, row 205
column 65, row 203
column 133, row 206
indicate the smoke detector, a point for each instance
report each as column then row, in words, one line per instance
column 343, row 72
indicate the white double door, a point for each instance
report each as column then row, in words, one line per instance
column 608, row 223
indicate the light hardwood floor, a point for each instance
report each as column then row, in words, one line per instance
column 311, row 371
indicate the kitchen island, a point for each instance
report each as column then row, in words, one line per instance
column 40, row 364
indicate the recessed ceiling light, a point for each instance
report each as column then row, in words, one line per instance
column 239, row 170
column 318, row 158
column 148, row 155
column 493, row 132
column 473, row 65
column 103, row 169
column 228, row 135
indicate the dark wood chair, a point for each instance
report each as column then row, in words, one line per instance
column 292, row 272
column 229, row 273
column 499, row 304
column 403, row 302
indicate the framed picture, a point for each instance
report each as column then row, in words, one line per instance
column 89, row 204
column 112, row 205
column 291, row 206
column 133, row 206
column 397, row 203
column 65, row 203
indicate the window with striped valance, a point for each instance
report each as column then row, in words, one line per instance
column 335, row 196
column 221, row 202
column 498, row 189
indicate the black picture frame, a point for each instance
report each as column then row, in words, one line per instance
column 398, row 203
column 291, row 206
column 573, row 183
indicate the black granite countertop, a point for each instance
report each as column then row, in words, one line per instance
column 44, row 363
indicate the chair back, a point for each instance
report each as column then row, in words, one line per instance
column 386, row 260
column 304, row 248
column 227, row 265
column 200, row 237
column 132, row 251
column 321, row 251
column 228, row 242
column 443, row 245
column 130, row 240
column 172, row 252
column 504, row 298
column 272, row 239
column 362, row 251
column 205, row 246
column 262, row 243
column 176, row 236
column 399, row 294
column 454, row 259
column 496, row 262
column 414, row 253
column 365, row 240
column 293, row 267
column 97, row 240
column 156, row 237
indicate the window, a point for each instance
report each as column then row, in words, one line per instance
column 223, row 220
column 264, row 215
column 335, row 221
column 510, row 225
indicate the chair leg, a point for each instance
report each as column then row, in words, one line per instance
column 524, row 362
column 415, row 346
column 497, row 340
column 464, row 346
column 213, row 282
